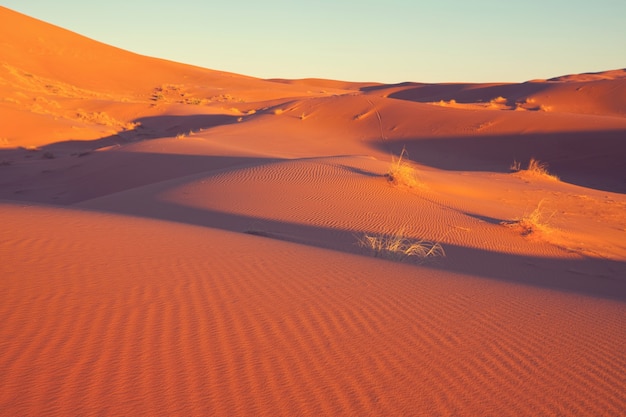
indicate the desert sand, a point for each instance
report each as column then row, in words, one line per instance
column 184, row 241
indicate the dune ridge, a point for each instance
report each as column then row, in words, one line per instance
column 183, row 241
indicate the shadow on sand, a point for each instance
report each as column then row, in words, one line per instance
column 588, row 159
column 587, row 276
column 76, row 170
column 462, row 92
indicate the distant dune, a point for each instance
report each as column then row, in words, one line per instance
column 184, row 241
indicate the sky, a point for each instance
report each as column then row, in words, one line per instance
column 385, row 41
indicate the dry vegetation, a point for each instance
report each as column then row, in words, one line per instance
column 535, row 168
column 533, row 222
column 516, row 166
column 399, row 247
column 402, row 172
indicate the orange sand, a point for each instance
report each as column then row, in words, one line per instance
column 182, row 241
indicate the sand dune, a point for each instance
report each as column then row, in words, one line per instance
column 599, row 94
column 186, row 242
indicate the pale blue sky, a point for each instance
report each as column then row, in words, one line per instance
column 386, row 41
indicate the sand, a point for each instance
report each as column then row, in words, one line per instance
column 183, row 241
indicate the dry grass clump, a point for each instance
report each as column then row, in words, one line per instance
column 444, row 103
column 398, row 247
column 401, row 172
column 535, row 168
column 533, row 222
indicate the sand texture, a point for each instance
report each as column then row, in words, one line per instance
column 180, row 241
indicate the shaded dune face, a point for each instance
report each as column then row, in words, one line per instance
column 183, row 241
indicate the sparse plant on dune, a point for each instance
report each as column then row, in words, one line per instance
column 516, row 166
column 533, row 222
column 401, row 171
column 399, row 247
column 535, row 168
column 540, row 168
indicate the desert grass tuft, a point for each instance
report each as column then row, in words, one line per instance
column 516, row 166
column 535, row 169
column 399, row 247
column 537, row 221
column 538, row 168
column 402, row 172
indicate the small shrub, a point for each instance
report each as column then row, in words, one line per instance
column 398, row 247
